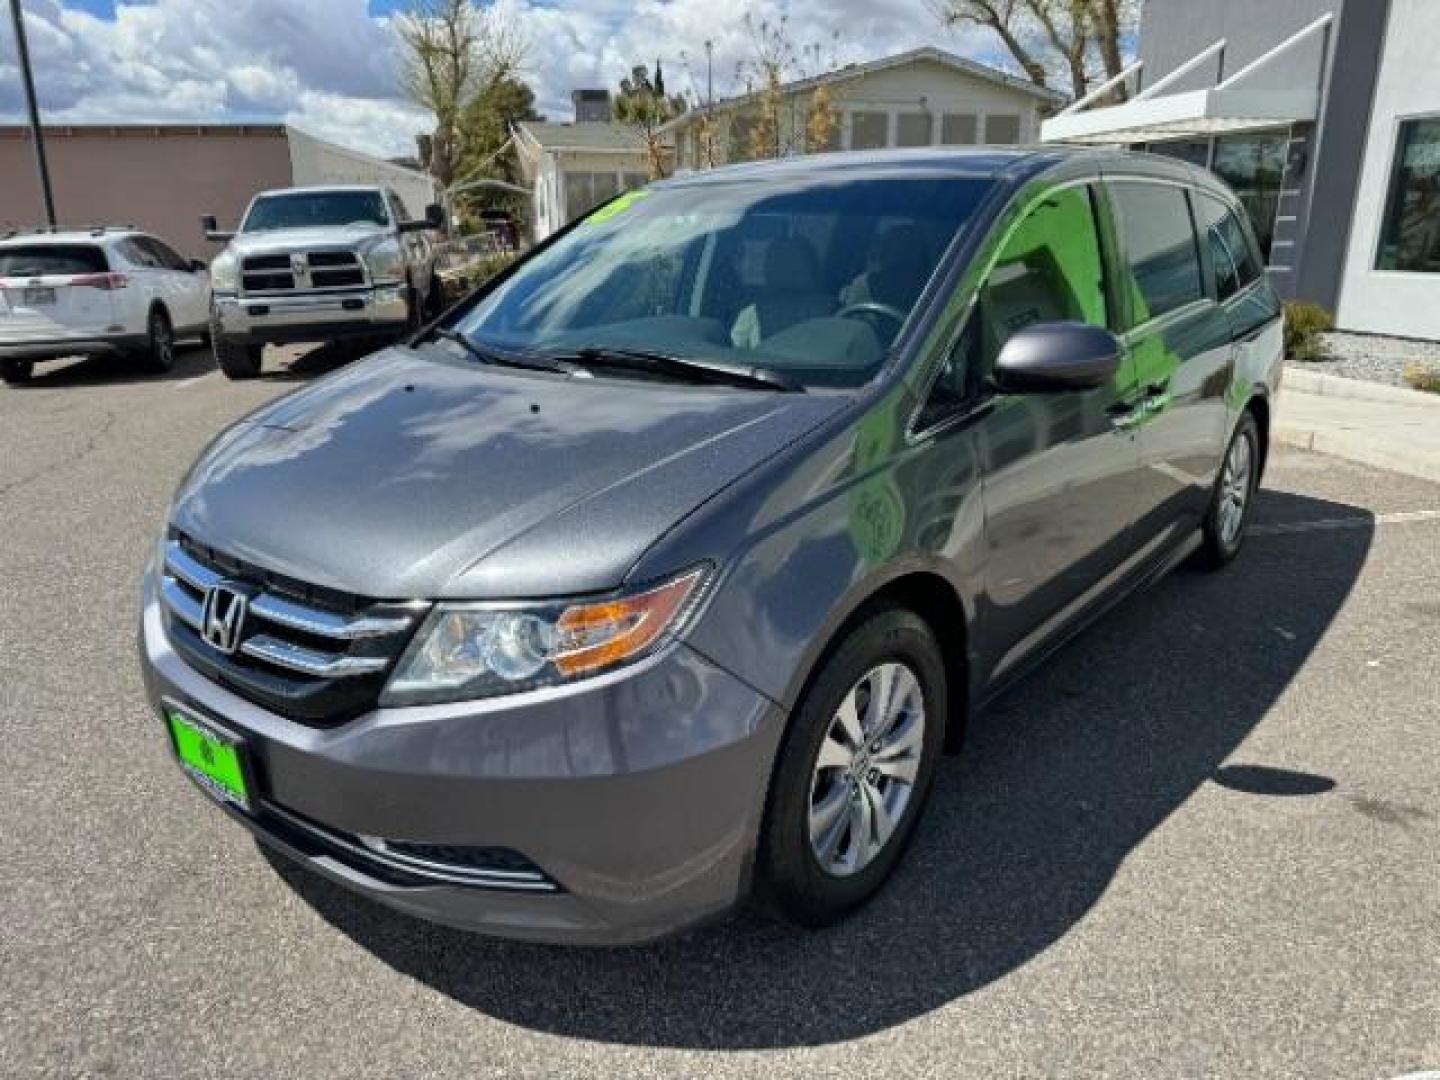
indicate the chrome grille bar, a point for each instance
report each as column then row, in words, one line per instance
column 318, row 665
column 323, row 623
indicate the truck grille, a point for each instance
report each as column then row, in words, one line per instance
column 320, row 270
column 313, row 655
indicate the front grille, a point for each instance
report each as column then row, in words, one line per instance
column 311, row 654
column 321, row 270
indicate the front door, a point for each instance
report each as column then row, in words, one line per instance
column 1059, row 468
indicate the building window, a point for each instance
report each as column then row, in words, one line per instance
column 1162, row 263
column 1410, row 237
column 585, row 190
column 1002, row 129
column 912, row 129
column 1254, row 165
column 869, row 130
column 959, row 129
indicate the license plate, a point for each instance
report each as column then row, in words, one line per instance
column 214, row 758
column 36, row 297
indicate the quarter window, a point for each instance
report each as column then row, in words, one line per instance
column 1231, row 253
column 1162, row 264
column 1410, row 239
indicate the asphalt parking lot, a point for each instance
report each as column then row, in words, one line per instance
column 1203, row 841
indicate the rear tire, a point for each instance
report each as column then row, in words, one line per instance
column 1223, row 530
column 16, row 372
column 237, row 361
column 841, row 811
column 159, row 356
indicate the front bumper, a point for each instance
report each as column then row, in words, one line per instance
column 53, row 347
column 316, row 316
column 639, row 794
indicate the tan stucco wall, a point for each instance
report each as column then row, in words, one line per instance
column 158, row 181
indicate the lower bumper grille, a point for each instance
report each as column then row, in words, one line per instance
column 312, row 655
column 401, row 864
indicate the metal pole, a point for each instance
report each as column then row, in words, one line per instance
column 23, row 51
column 709, row 76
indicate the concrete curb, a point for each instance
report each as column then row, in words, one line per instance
column 1354, row 446
column 1335, row 386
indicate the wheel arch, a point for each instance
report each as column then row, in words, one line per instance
column 934, row 598
column 1259, row 407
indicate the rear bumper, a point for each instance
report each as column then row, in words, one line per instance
column 277, row 320
column 54, row 347
column 638, row 795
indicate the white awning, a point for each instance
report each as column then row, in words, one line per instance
column 1194, row 114
column 1237, row 104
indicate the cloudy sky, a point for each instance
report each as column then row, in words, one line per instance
column 328, row 66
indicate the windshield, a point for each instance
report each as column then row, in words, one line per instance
column 810, row 275
column 322, row 209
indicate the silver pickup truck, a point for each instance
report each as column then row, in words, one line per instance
column 319, row 264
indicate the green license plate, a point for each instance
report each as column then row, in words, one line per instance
column 211, row 758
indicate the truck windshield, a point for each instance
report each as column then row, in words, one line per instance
column 807, row 274
column 316, row 209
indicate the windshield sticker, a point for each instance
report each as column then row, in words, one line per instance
column 618, row 206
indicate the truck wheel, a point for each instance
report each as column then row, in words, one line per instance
column 159, row 355
column 237, row 361
column 15, row 372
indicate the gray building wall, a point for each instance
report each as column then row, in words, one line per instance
column 1325, row 158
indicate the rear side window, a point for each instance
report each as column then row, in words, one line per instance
column 1162, row 265
column 38, row 260
column 1231, row 252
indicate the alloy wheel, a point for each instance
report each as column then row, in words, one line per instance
column 1235, row 489
column 866, row 769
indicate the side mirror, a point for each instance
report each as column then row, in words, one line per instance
column 1049, row 358
column 212, row 230
column 197, row 266
column 434, row 219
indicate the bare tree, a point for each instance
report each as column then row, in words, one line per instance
column 452, row 52
column 774, row 61
column 1074, row 42
column 643, row 104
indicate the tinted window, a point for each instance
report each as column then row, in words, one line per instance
column 1162, row 263
column 38, row 260
column 1049, row 269
column 318, row 209
column 1002, row 130
column 167, row 256
column 1231, row 253
column 1411, row 236
column 755, row 273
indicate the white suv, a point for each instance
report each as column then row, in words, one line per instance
column 97, row 292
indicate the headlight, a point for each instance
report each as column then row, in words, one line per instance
column 225, row 273
column 386, row 262
column 467, row 651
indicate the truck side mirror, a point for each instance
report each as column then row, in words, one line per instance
column 212, row 229
column 435, row 216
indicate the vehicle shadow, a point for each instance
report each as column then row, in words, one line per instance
column 311, row 364
column 191, row 361
column 1058, row 783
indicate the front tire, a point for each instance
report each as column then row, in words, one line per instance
column 1223, row 530
column 854, row 770
column 16, row 372
column 236, row 360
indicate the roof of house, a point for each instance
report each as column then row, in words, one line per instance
column 871, row 67
column 590, row 136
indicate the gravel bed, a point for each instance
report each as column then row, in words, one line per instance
column 1370, row 357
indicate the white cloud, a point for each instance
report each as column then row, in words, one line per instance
column 330, row 66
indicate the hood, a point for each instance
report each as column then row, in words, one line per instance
column 272, row 241
column 412, row 478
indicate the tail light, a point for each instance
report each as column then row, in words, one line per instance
column 107, row 282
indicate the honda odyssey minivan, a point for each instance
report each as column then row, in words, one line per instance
column 660, row 572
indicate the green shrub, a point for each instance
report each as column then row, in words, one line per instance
column 1419, row 376
column 1304, row 323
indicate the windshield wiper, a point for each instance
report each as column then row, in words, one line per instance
column 493, row 356
column 679, row 367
